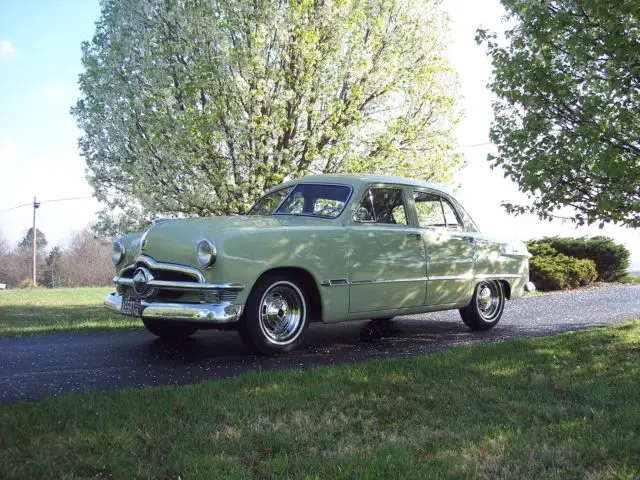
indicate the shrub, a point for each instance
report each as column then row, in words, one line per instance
column 611, row 258
column 630, row 279
column 26, row 283
column 551, row 270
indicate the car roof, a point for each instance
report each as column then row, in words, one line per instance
column 356, row 180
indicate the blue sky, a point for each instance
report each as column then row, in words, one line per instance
column 46, row 36
column 39, row 65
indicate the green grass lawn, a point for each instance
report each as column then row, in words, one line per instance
column 553, row 408
column 40, row 310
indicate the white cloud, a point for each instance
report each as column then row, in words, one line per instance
column 7, row 50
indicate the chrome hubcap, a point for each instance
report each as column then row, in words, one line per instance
column 488, row 300
column 282, row 313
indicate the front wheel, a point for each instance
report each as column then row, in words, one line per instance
column 486, row 307
column 276, row 315
column 167, row 330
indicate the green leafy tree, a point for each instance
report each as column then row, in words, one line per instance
column 52, row 275
column 567, row 115
column 196, row 107
column 27, row 241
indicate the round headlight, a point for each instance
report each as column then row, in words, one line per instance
column 117, row 252
column 207, row 253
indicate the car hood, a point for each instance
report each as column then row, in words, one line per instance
column 175, row 241
column 250, row 222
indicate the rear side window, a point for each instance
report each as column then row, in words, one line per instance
column 435, row 211
column 382, row 205
column 467, row 221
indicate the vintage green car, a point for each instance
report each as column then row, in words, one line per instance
column 325, row 248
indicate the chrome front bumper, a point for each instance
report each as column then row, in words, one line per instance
column 529, row 287
column 184, row 312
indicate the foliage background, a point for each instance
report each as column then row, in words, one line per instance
column 85, row 261
column 565, row 262
column 195, row 108
column 567, row 114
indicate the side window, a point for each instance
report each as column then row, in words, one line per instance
column 429, row 210
column 450, row 215
column 467, row 221
column 328, row 206
column 382, row 205
column 435, row 211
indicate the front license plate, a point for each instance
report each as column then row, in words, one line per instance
column 130, row 306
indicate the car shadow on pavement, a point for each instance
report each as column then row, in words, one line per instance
column 342, row 341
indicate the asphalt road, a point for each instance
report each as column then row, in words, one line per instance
column 34, row 366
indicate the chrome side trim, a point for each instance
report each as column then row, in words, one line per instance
column 466, row 276
column 483, row 276
column 224, row 312
column 517, row 255
column 187, row 286
column 340, row 282
column 396, row 280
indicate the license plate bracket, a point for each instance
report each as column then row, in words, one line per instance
column 131, row 306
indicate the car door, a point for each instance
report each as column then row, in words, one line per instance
column 388, row 265
column 450, row 249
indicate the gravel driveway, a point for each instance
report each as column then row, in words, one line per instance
column 34, row 366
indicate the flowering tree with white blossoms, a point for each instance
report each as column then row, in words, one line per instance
column 195, row 107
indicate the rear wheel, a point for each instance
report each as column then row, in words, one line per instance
column 168, row 330
column 276, row 314
column 486, row 307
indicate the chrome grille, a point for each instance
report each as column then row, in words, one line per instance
column 218, row 296
column 172, row 276
column 174, row 283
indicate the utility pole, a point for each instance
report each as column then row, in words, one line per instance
column 36, row 205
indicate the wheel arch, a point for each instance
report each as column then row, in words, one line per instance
column 506, row 286
column 309, row 284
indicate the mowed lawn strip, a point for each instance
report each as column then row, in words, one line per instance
column 43, row 310
column 555, row 407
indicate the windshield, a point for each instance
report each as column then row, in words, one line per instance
column 304, row 199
